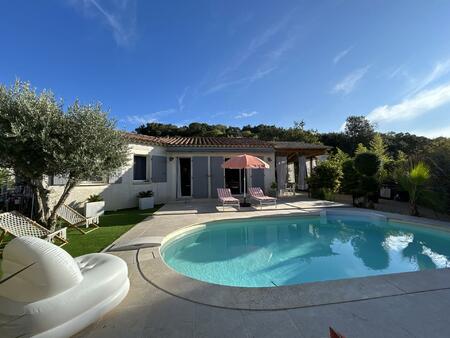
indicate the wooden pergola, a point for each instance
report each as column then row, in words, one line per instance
column 293, row 150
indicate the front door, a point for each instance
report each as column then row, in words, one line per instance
column 185, row 176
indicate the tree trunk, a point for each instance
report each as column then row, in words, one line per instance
column 51, row 220
column 41, row 199
column 413, row 208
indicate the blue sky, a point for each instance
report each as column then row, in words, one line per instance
column 238, row 62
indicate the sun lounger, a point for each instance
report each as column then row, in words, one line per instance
column 18, row 225
column 257, row 194
column 226, row 198
column 77, row 220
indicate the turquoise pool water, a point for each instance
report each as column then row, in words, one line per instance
column 286, row 250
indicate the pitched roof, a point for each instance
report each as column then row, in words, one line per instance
column 144, row 139
column 200, row 142
column 233, row 142
column 221, row 142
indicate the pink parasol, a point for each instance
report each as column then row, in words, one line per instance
column 245, row 162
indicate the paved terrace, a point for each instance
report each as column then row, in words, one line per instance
column 162, row 303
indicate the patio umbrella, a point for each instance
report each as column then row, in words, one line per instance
column 245, row 162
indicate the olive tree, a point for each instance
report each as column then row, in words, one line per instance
column 38, row 139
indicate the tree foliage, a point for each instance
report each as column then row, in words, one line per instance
column 359, row 130
column 5, row 177
column 367, row 165
column 350, row 178
column 38, row 139
column 264, row 132
column 414, row 182
column 325, row 179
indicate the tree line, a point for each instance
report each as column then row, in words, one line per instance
column 358, row 130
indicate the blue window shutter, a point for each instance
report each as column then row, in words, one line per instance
column 159, row 169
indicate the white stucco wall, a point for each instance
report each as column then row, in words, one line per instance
column 124, row 195
column 120, row 195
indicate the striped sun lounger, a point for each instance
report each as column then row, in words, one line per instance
column 257, row 194
column 226, row 199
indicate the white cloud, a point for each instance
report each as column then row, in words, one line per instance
column 181, row 98
column 433, row 132
column 246, row 114
column 256, row 43
column 339, row 56
column 259, row 74
column 348, row 84
column 120, row 16
column 276, row 36
column 147, row 118
column 440, row 69
column 412, row 107
column 138, row 119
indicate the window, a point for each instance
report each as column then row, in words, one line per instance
column 140, row 168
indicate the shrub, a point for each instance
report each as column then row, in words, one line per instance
column 367, row 166
column 350, row 177
column 367, row 163
column 414, row 182
column 325, row 180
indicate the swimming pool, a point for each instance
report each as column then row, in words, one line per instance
column 275, row 251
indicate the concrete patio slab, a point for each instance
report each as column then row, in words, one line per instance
column 163, row 303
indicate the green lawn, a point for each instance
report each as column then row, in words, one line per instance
column 112, row 226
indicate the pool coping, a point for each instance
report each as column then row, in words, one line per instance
column 156, row 272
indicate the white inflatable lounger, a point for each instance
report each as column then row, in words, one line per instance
column 57, row 296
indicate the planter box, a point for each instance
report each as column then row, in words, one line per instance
column 146, row 203
column 94, row 209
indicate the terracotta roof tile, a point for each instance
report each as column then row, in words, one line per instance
column 220, row 142
column 232, row 142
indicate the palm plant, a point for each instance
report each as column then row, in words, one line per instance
column 414, row 183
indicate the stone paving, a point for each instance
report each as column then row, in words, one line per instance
column 400, row 305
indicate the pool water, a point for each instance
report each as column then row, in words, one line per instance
column 271, row 251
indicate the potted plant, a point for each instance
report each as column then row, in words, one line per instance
column 146, row 200
column 95, row 206
column 273, row 189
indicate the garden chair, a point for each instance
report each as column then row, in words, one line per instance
column 257, row 194
column 226, row 198
column 77, row 220
column 18, row 225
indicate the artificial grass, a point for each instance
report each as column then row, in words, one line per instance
column 112, row 226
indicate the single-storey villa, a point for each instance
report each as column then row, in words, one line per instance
column 177, row 168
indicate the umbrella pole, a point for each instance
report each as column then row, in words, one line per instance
column 245, row 203
column 245, row 185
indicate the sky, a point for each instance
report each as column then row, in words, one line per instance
column 238, row 62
